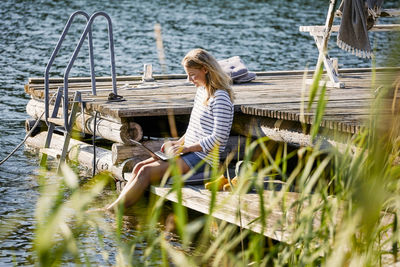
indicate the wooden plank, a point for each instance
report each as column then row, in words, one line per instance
column 185, row 102
column 107, row 78
column 250, row 89
column 84, row 87
column 319, row 29
column 390, row 12
column 278, row 218
column 269, row 75
column 282, row 209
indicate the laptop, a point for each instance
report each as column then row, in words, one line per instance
column 158, row 155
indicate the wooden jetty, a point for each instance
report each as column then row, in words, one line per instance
column 272, row 105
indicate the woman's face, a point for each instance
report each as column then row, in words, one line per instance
column 196, row 76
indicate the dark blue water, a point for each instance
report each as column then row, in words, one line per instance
column 264, row 33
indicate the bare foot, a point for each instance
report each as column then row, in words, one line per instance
column 110, row 208
column 104, row 209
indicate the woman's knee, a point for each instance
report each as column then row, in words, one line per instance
column 138, row 166
column 151, row 173
column 145, row 170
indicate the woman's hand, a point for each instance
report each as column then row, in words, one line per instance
column 178, row 149
column 167, row 145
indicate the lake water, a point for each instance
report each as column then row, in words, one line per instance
column 264, row 33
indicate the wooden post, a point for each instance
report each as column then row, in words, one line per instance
column 322, row 44
column 327, row 32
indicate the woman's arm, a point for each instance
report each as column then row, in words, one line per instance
column 222, row 110
column 178, row 147
column 186, row 149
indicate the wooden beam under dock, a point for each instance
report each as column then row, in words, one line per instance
column 108, row 129
column 83, row 153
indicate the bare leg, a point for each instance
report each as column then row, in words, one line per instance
column 148, row 173
column 135, row 171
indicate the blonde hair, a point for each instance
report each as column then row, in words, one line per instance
column 216, row 78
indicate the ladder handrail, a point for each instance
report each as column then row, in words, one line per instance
column 55, row 52
column 88, row 29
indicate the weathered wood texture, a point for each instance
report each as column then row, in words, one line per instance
column 107, row 129
column 121, row 152
column 275, row 95
column 83, row 153
column 288, row 132
column 318, row 30
column 282, row 209
column 228, row 205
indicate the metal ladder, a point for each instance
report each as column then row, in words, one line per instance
column 69, row 119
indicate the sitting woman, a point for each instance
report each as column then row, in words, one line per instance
column 207, row 133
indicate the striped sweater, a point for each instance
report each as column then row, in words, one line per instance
column 210, row 124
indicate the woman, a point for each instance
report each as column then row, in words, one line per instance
column 207, row 132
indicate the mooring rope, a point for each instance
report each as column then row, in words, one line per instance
column 26, row 136
column 23, row 141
